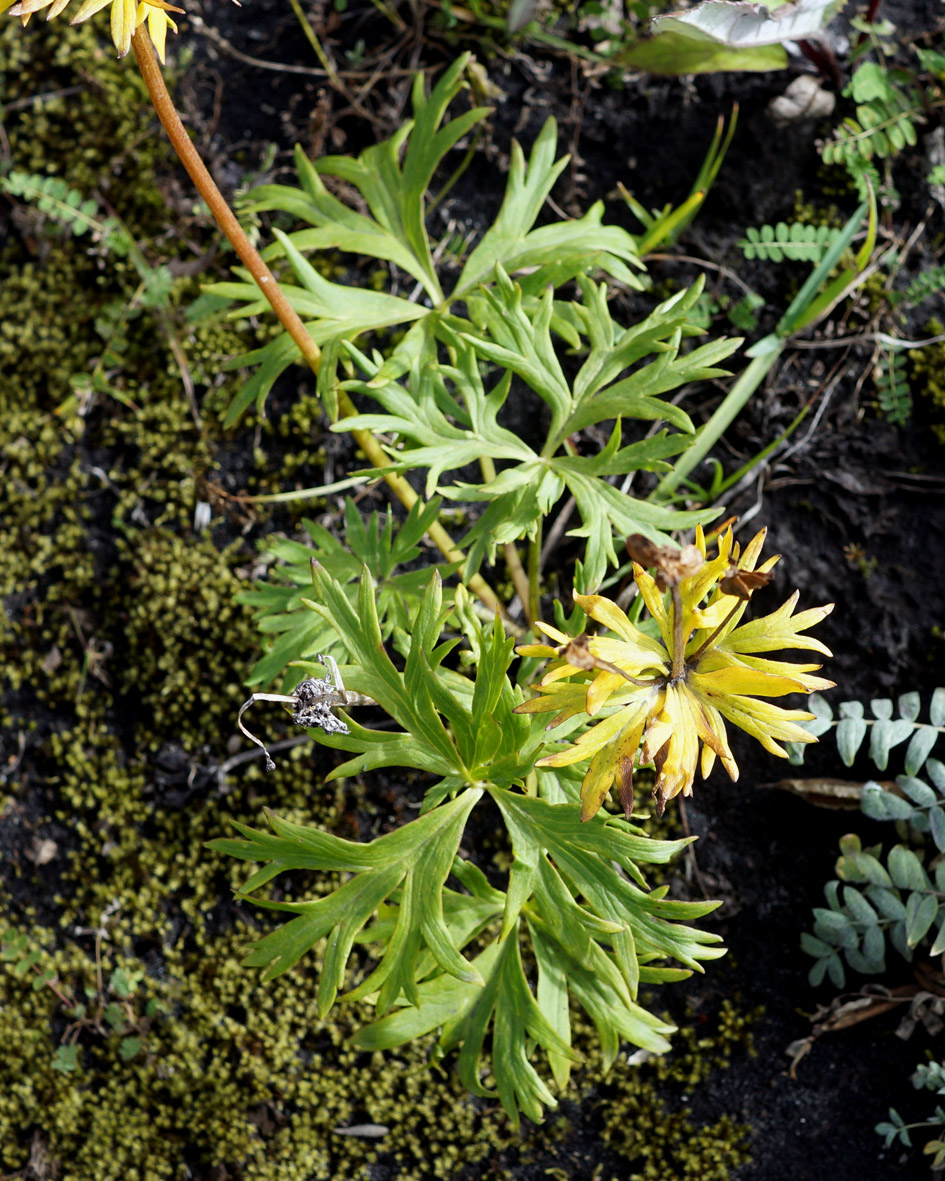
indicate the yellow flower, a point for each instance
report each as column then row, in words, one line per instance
column 671, row 697
column 126, row 16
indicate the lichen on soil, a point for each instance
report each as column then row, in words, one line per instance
column 125, row 649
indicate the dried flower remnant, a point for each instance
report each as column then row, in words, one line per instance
column 126, row 16
column 312, row 704
column 674, row 693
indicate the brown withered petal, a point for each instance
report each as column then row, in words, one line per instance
column 625, row 785
column 672, row 565
column 743, row 583
column 643, row 551
column 660, row 797
column 682, row 563
column 578, row 653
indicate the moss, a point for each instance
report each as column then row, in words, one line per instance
column 815, row 215
column 213, row 1087
column 638, row 1123
column 89, row 102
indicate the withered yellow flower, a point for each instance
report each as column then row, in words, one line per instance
column 126, row 16
column 671, row 697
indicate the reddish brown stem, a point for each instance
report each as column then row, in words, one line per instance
column 222, row 214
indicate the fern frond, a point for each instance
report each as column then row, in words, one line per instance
column 794, row 241
column 922, row 287
column 882, row 128
column 892, row 388
column 54, row 197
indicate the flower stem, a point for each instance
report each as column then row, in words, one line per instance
column 222, row 213
column 679, row 645
column 225, row 218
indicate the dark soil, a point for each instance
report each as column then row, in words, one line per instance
column 854, row 505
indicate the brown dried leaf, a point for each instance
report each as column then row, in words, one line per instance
column 829, row 793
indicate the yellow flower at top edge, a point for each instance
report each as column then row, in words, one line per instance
column 126, row 16
column 671, row 697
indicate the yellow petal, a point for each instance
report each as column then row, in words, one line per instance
column 607, row 612
column 657, row 733
column 89, row 8
column 740, row 681
column 558, row 637
column 676, row 761
column 597, row 782
column 779, row 630
column 542, row 651
column 28, row 7
column 766, row 722
column 550, row 703
column 590, row 741
column 603, row 685
column 753, row 551
column 706, row 761
column 643, row 653
column 560, row 672
column 713, row 734
column 613, row 763
column 785, row 668
column 158, row 24
column 124, row 16
column 653, row 598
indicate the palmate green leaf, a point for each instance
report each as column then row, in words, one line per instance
column 586, row 854
column 615, row 1020
column 444, row 730
column 560, row 251
column 466, row 1013
column 646, row 455
column 614, row 350
column 439, row 443
column 330, row 311
column 509, row 517
column 336, row 226
column 416, row 858
column 580, row 950
column 508, row 1005
column 406, row 696
column 300, row 633
column 395, row 193
column 271, row 362
column 526, row 191
column 466, row 916
column 517, row 337
column 493, row 698
column 392, row 177
column 521, row 343
column 606, row 511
